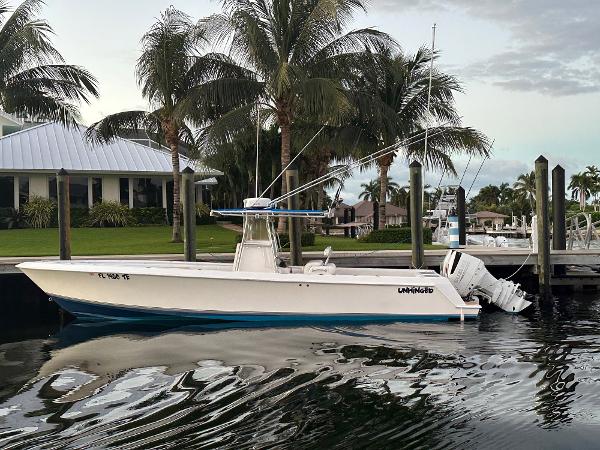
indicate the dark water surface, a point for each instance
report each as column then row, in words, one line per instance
column 500, row 382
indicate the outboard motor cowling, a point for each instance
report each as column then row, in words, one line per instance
column 469, row 277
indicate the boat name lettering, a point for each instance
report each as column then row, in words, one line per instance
column 114, row 276
column 415, row 290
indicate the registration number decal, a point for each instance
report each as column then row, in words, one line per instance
column 114, row 276
column 415, row 290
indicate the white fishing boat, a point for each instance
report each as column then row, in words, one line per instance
column 256, row 287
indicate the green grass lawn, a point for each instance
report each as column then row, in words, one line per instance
column 148, row 240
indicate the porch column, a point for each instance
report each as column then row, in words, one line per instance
column 130, row 180
column 16, row 192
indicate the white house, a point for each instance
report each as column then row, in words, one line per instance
column 364, row 213
column 122, row 170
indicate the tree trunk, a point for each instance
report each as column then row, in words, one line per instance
column 383, row 186
column 285, row 160
column 172, row 138
column 582, row 199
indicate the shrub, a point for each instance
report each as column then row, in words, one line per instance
column 203, row 216
column 79, row 217
column 39, row 211
column 397, row 235
column 110, row 213
column 149, row 216
column 12, row 218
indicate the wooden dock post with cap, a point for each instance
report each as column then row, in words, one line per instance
column 376, row 215
column 295, row 223
column 353, row 219
column 461, row 211
column 346, row 219
column 64, row 214
column 189, row 215
column 416, row 216
column 543, row 226
column 559, row 235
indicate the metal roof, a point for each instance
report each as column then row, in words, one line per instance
column 50, row 147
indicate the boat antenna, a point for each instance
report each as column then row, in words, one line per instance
column 465, row 171
column 433, row 28
column 479, row 170
column 257, row 142
column 294, row 159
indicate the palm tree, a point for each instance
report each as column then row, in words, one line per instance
column 391, row 103
column 370, row 191
column 581, row 186
column 524, row 188
column 399, row 196
column 34, row 80
column 594, row 173
column 297, row 52
column 177, row 82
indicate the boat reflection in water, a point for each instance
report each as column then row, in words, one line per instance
column 502, row 382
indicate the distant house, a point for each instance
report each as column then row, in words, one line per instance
column 485, row 218
column 364, row 213
column 122, row 170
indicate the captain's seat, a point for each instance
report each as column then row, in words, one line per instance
column 318, row 267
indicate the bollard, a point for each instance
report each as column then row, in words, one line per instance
column 64, row 214
column 353, row 219
column 543, row 226
column 461, row 212
column 453, row 231
column 189, row 215
column 376, row 215
column 295, row 223
column 346, row 216
column 416, row 215
column 559, row 234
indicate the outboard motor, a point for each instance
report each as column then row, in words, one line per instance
column 469, row 277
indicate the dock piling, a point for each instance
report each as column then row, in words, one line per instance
column 346, row 218
column 64, row 214
column 461, row 211
column 559, row 234
column 416, row 216
column 543, row 226
column 189, row 215
column 352, row 219
column 376, row 215
column 295, row 223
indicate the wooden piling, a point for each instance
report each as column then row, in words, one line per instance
column 346, row 218
column 559, row 234
column 352, row 219
column 416, row 216
column 461, row 211
column 64, row 214
column 543, row 226
column 295, row 223
column 189, row 214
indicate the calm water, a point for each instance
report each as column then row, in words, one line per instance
column 500, row 382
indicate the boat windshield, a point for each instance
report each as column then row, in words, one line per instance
column 256, row 228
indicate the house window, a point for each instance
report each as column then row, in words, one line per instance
column 96, row 190
column 7, row 192
column 52, row 193
column 78, row 192
column 147, row 192
column 124, row 191
column 23, row 190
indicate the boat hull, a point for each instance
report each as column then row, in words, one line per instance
column 137, row 290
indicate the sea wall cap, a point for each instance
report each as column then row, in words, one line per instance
column 415, row 163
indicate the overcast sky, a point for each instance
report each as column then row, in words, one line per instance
column 530, row 69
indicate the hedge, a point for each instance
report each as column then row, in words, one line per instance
column 396, row 236
column 149, row 216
